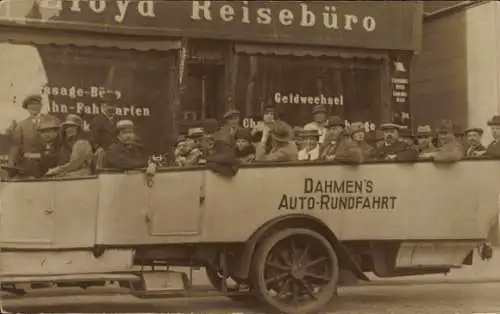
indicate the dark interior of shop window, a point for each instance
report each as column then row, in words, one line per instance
column 358, row 81
column 141, row 77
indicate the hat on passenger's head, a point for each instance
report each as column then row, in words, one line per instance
column 195, row 132
column 494, row 121
column 445, row 126
column 319, row 109
column 181, row 138
column 476, row 130
column 72, row 120
column 356, row 127
column 390, row 126
column 49, row 122
column 424, row 131
column 233, row 113
column 125, row 125
column 336, row 121
column 281, row 132
column 30, row 99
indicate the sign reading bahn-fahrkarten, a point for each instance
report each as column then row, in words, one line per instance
column 362, row 24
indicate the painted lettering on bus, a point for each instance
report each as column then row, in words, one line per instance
column 345, row 195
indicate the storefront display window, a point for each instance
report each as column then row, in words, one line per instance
column 293, row 85
column 78, row 80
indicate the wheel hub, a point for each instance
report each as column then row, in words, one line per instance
column 297, row 273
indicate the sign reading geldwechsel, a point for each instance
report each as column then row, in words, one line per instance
column 364, row 24
column 338, row 195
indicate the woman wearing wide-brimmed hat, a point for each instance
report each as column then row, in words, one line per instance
column 76, row 153
column 282, row 146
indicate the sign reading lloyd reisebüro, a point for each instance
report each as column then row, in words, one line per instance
column 366, row 24
column 343, row 195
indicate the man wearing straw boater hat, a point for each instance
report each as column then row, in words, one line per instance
column 474, row 147
column 450, row 149
column 25, row 147
column 393, row 148
column 282, row 146
column 194, row 140
column 124, row 153
column 310, row 138
column 320, row 121
column 494, row 148
column 425, row 137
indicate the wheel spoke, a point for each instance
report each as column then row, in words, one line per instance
column 285, row 256
column 277, row 278
column 308, row 289
column 318, row 277
column 315, row 262
column 303, row 256
column 295, row 292
column 277, row 266
column 281, row 288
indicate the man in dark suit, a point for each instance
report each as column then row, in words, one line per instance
column 25, row 149
column 393, row 148
column 494, row 148
column 103, row 130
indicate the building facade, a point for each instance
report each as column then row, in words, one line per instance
column 457, row 74
column 171, row 64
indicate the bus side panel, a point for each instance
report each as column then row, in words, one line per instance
column 419, row 201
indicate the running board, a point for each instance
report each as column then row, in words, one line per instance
column 70, row 278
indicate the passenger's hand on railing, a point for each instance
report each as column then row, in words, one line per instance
column 151, row 169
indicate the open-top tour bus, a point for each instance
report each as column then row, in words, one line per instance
column 284, row 233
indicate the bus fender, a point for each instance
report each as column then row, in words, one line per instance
column 294, row 221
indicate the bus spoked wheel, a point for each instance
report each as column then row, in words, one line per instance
column 296, row 271
column 237, row 291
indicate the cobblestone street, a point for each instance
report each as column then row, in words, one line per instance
column 373, row 299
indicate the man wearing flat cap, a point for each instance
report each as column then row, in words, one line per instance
column 425, row 137
column 25, row 148
column 334, row 135
column 393, row 148
column 493, row 149
column 320, row 121
column 450, row 150
column 282, row 146
column 231, row 124
column 474, row 146
column 124, row 153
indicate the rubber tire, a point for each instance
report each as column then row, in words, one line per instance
column 215, row 281
column 258, row 267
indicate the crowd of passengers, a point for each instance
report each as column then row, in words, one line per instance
column 330, row 139
column 42, row 145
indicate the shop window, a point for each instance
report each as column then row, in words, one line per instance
column 80, row 79
column 293, row 85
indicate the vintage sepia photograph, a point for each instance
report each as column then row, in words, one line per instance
column 295, row 157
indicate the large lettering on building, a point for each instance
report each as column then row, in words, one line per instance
column 338, row 195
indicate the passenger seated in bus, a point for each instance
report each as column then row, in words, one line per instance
column 320, row 121
column 282, row 146
column 460, row 135
column 244, row 150
column 269, row 115
column 210, row 126
column 181, row 151
column 493, row 148
column 51, row 144
column 451, row 150
column 354, row 149
column 194, row 146
column 425, row 137
column 297, row 139
column 310, row 137
column 474, row 147
column 76, row 154
column 124, row 153
column 393, row 148
column 231, row 125
column 334, row 136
